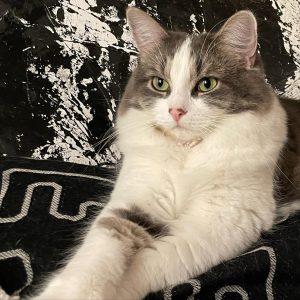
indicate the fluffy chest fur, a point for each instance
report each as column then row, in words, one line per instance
column 230, row 170
column 196, row 124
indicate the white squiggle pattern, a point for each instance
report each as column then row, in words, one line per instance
column 231, row 289
column 196, row 284
column 6, row 176
column 273, row 263
column 20, row 253
column 196, row 288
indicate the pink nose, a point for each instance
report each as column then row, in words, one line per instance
column 177, row 113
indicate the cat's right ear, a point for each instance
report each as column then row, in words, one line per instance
column 239, row 36
column 147, row 33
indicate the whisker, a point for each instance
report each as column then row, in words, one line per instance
column 207, row 34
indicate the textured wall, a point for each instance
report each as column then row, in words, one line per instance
column 64, row 64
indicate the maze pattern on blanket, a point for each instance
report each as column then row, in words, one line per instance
column 44, row 205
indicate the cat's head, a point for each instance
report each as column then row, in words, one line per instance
column 185, row 85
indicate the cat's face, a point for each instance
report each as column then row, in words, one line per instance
column 188, row 84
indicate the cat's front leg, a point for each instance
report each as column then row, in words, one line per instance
column 95, row 270
column 88, row 273
column 191, row 249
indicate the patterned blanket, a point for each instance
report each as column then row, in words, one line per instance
column 45, row 204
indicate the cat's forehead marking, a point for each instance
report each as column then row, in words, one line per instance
column 182, row 66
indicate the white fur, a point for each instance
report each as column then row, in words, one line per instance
column 199, row 118
column 180, row 74
column 216, row 197
column 215, row 194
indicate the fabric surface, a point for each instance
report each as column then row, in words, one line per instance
column 44, row 205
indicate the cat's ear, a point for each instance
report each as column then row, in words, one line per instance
column 147, row 33
column 239, row 35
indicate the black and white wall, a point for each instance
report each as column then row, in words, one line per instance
column 64, row 65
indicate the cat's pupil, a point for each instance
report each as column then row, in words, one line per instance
column 160, row 82
column 207, row 83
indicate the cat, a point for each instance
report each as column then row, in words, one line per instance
column 201, row 133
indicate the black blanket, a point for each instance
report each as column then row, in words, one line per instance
column 45, row 204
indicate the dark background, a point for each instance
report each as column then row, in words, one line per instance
column 64, row 65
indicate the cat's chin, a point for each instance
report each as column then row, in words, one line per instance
column 181, row 136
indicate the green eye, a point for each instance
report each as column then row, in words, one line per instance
column 207, row 84
column 160, row 84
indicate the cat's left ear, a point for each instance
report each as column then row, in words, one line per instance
column 147, row 33
column 239, row 35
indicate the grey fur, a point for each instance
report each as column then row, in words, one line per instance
column 239, row 89
column 133, row 236
column 137, row 93
column 137, row 216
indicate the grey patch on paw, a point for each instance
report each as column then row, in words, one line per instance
column 133, row 236
column 136, row 215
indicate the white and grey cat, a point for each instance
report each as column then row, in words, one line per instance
column 201, row 133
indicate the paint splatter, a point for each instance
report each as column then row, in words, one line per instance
column 290, row 24
column 77, row 56
column 81, row 26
